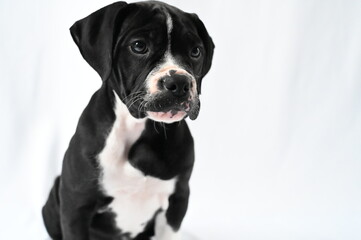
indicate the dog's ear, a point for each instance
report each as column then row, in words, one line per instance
column 94, row 36
column 208, row 45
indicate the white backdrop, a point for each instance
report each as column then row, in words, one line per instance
column 278, row 140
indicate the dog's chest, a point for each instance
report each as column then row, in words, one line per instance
column 136, row 197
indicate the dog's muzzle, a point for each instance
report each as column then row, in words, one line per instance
column 172, row 96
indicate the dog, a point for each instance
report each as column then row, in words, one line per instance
column 125, row 173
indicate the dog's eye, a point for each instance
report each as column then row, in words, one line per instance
column 139, row 47
column 195, row 52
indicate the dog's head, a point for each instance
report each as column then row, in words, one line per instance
column 153, row 55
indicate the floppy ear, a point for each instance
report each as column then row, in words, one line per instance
column 94, row 37
column 208, row 45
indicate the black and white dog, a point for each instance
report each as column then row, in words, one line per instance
column 125, row 174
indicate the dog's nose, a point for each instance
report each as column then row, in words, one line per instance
column 178, row 84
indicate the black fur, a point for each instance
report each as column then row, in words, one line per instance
column 163, row 151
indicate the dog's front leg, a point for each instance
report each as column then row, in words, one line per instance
column 76, row 213
column 167, row 223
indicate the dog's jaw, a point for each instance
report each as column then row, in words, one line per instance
column 167, row 117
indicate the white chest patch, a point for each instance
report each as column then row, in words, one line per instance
column 136, row 197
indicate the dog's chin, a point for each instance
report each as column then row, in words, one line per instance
column 167, row 117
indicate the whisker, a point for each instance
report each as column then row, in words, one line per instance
column 164, row 130
column 128, row 98
column 134, row 100
column 155, row 127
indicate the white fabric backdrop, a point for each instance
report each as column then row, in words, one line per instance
column 278, row 140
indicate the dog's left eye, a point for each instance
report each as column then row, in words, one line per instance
column 195, row 52
column 139, row 47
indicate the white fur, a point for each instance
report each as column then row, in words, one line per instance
column 136, row 197
column 168, row 58
column 169, row 29
column 163, row 231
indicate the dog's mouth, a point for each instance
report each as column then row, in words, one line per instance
column 164, row 108
column 167, row 117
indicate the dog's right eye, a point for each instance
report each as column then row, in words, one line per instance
column 139, row 47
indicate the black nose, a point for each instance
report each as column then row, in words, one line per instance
column 178, row 84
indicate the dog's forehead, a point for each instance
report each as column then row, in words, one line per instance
column 158, row 15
